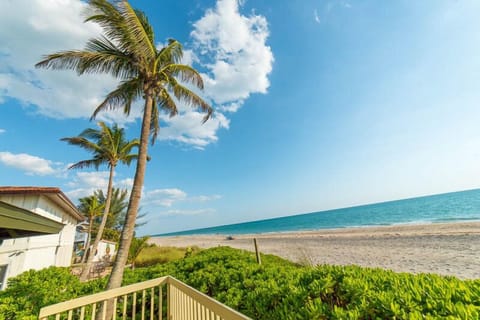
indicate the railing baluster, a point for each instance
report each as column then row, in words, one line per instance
column 82, row 313
column 169, row 310
column 57, row 317
column 115, row 308
column 104, row 310
column 143, row 304
column 94, row 310
column 125, row 300
column 160, row 302
column 175, row 298
column 152, row 302
column 134, row 305
column 70, row 314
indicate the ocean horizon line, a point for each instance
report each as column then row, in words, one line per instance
column 445, row 207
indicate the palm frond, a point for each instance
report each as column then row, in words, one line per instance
column 96, row 163
column 108, row 58
column 123, row 96
column 82, row 143
column 110, row 19
column 185, row 74
column 154, row 123
column 190, row 98
column 142, row 46
column 170, row 54
column 113, row 63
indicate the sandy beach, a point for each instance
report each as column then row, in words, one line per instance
column 447, row 249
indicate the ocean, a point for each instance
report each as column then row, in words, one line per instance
column 447, row 207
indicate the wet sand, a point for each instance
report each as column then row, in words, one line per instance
column 447, row 249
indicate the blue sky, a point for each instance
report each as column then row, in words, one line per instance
column 319, row 105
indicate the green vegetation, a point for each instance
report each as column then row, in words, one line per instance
column 109, row 146
column 152, row 255
column 277, row 289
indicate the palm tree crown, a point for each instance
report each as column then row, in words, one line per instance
column 108, row 146
column 127, row 51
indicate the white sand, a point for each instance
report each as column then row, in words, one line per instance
column 447, row 249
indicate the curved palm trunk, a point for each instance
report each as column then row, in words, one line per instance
column 116, row 276
column 88, row 266
column 90, row 224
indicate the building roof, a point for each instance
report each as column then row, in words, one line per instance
column 17, row 222
column 54, row 194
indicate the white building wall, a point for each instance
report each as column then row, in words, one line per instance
column 38, row 252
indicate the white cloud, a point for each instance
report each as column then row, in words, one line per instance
column 176, row 212
column 85, row 183
column 187, row 128
column 31, row 165
column 43, row 27
column 231, row 107
column 205, row 198
column 316, row 16
column 169, row 196
column 239, row 60
column 164, row 197
column 236, row 66
column 2, row 131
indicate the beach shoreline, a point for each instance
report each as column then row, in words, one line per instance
column 441, row 248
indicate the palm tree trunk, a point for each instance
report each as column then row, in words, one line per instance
column 87, row 244
column 88, row 266
column 126, row 237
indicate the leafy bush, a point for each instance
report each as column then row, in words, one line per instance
column 277, row 289
column 31, row 290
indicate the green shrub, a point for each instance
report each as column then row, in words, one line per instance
column 277, row 289
column 31, row 290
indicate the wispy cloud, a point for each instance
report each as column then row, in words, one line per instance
column 170, row 196
column 164, row 197
column 31, row 165
column 177, row 212
column 316, row 16
column 2, row 131
column 84, row 184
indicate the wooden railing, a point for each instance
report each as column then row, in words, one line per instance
column 163, row 298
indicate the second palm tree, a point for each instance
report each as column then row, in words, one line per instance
column 109, row 146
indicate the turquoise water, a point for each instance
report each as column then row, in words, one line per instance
column 448, row 207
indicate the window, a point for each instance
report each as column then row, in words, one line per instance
column 3, row 274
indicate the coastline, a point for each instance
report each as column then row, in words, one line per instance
column 441, row 248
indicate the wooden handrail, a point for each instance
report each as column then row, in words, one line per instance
column 193, row 302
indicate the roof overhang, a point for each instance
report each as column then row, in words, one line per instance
column 16, row 222
column 54, row 194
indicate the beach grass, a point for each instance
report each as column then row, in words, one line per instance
column 154, row 254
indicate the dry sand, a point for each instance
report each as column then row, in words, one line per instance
column 447, row 249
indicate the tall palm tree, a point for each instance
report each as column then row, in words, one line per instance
column 92, row 208
column 109, row 146
column 128, row 51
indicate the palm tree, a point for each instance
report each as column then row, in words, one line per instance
column 128, row 51
column 109, row 146
column 136, row 247
column 92, row 208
